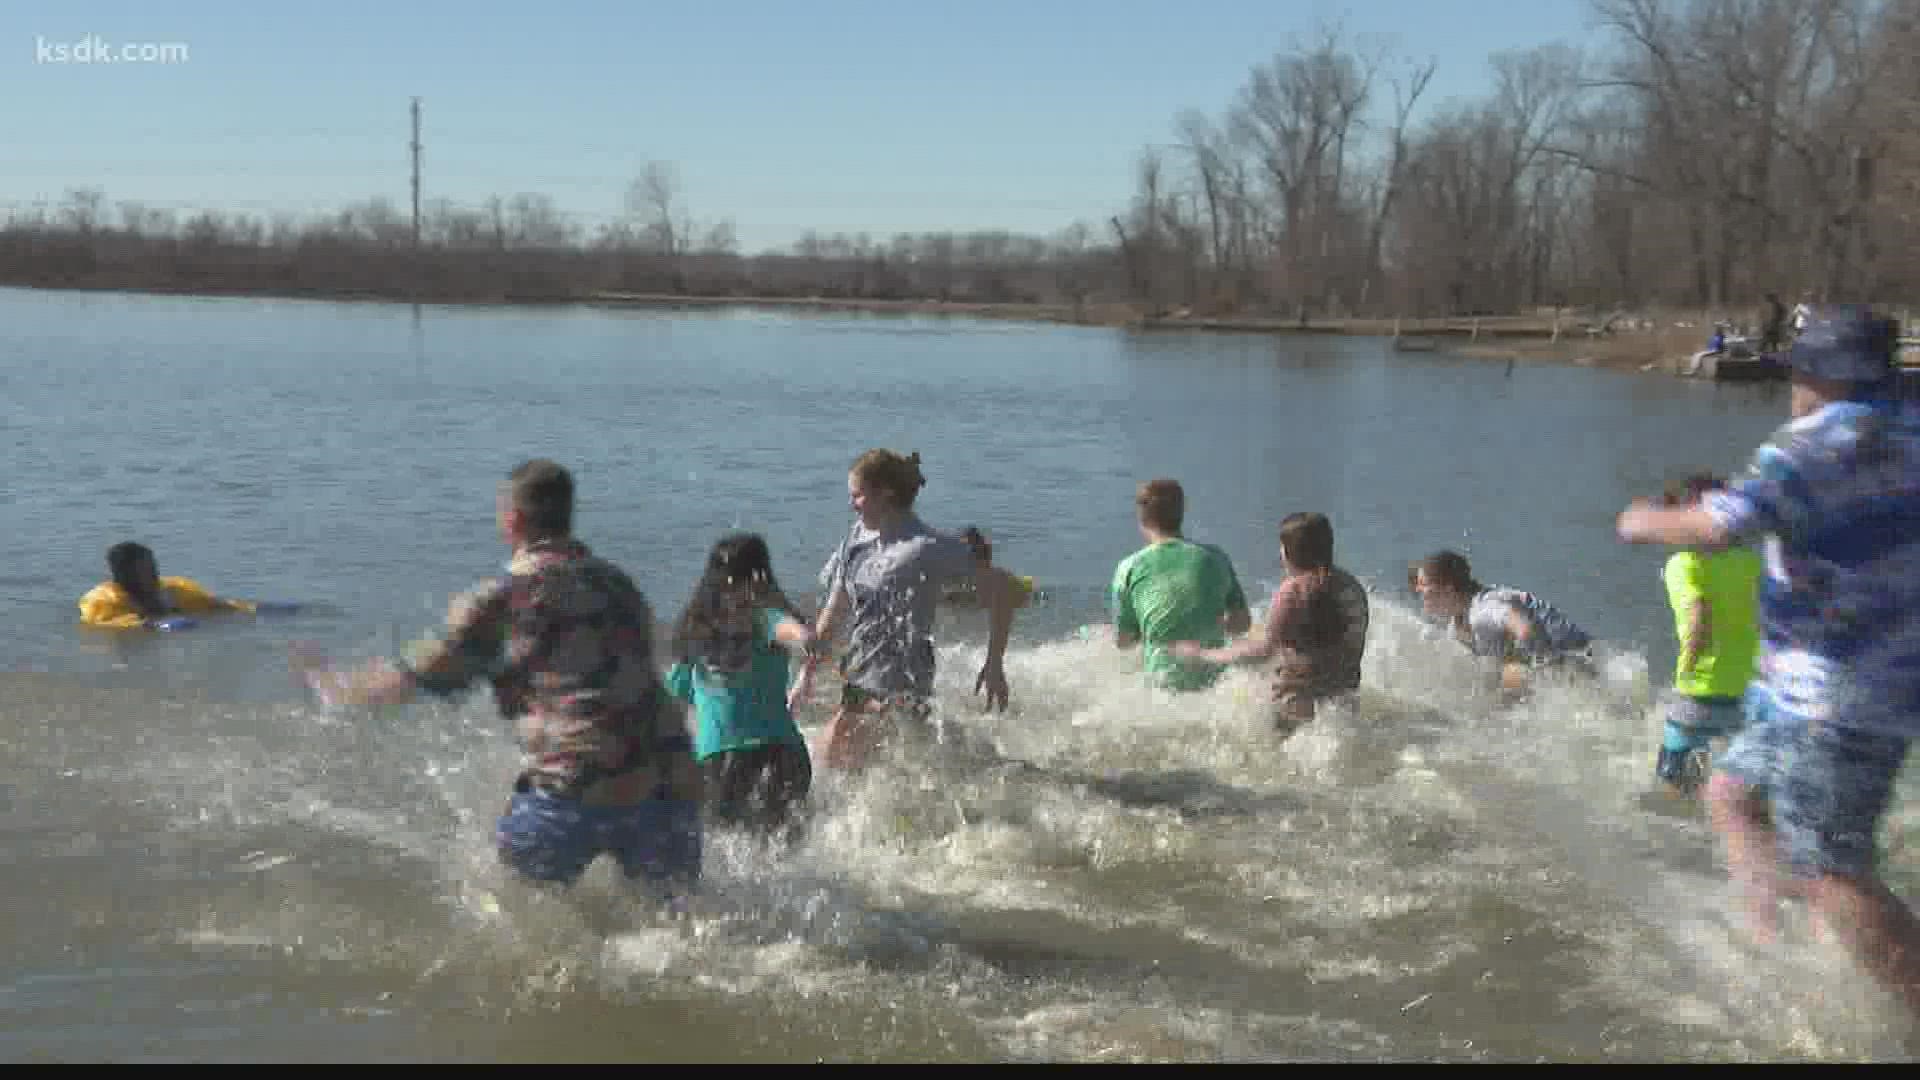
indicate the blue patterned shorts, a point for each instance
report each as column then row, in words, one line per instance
column 1828, row 786
column 553, row 840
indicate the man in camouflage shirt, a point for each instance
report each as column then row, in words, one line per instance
column 566, row 641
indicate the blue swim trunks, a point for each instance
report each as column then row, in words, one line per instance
column 1828, row 786
column 550, row 839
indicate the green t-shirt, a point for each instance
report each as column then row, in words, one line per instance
column 1175, row 590
column 746, row 710
column 1729, row 581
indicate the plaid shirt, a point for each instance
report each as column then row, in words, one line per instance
column 566, row 640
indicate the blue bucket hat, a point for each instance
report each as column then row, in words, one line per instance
column 1846, row 343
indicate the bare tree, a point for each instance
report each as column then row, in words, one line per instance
column 654, row 202
column 1407, row 90
column 721, row 239
column 533, row 221
column 81, row 210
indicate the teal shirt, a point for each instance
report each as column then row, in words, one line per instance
column 747, row 711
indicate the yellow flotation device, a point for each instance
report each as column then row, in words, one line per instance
column 107, row 606
column 1023, row 590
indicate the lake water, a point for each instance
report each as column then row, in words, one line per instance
column 204, row 868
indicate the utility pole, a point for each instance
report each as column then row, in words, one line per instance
column 416, row 174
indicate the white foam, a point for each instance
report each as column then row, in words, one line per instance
column 1019, row 875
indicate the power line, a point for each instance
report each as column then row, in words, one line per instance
column 416, row 174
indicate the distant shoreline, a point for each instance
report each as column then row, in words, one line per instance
column 1494, row 337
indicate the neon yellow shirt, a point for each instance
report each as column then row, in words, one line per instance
column 1729, row 581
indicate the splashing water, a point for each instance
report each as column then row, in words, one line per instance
column 1105, row 872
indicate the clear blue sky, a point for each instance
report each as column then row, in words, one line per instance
column 854, row 115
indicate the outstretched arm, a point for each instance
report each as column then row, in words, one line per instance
column 379, row 682
column 1256, row 646
column 472, row 646
column 1687, row 526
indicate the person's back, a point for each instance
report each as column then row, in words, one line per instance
column 1773, row 324
column 743, row 709
column 1841, row 598
column 573, row 661
column 1175, row 590
column 1322, row 645
column 1335, row 634
column 1729, row 582
column 1714, row 595
column 1554, row 635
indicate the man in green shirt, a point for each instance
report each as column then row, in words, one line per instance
column 1714, row 595
column 1174, row 590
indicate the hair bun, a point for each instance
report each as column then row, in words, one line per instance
column 913, row 458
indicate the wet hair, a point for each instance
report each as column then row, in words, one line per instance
column 123, row 564
column 1162, row 504
column 899, row 476
column 702, row 633
column 1688, row 490
column 1447, row 569
column 1306, row 540
column 543, row 491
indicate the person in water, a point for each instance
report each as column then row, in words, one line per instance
column 137, row 597
column 1714, row 594
column 1835, row 493
column 1315, row 631
column 565, row 639
column 1174, row 590
column 961, row 593
column 1516, row 629
column 886, row 579
column 729, row 652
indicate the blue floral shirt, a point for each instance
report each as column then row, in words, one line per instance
column 1836, row 496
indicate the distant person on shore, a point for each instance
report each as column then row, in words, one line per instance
column 729, row 654
column 1517, row 630
column 565, row 639
column 1773, row 325
column 1315, row 631
column 137, row 597
column 1174, row 590
column 886, row 580
column 1714, row 594
column 1835, row 493
column 1716, row 345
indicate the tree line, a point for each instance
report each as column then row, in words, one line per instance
column 1694, row 153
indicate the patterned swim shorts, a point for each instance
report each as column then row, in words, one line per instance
column 551, row 839
column 1828, row 785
